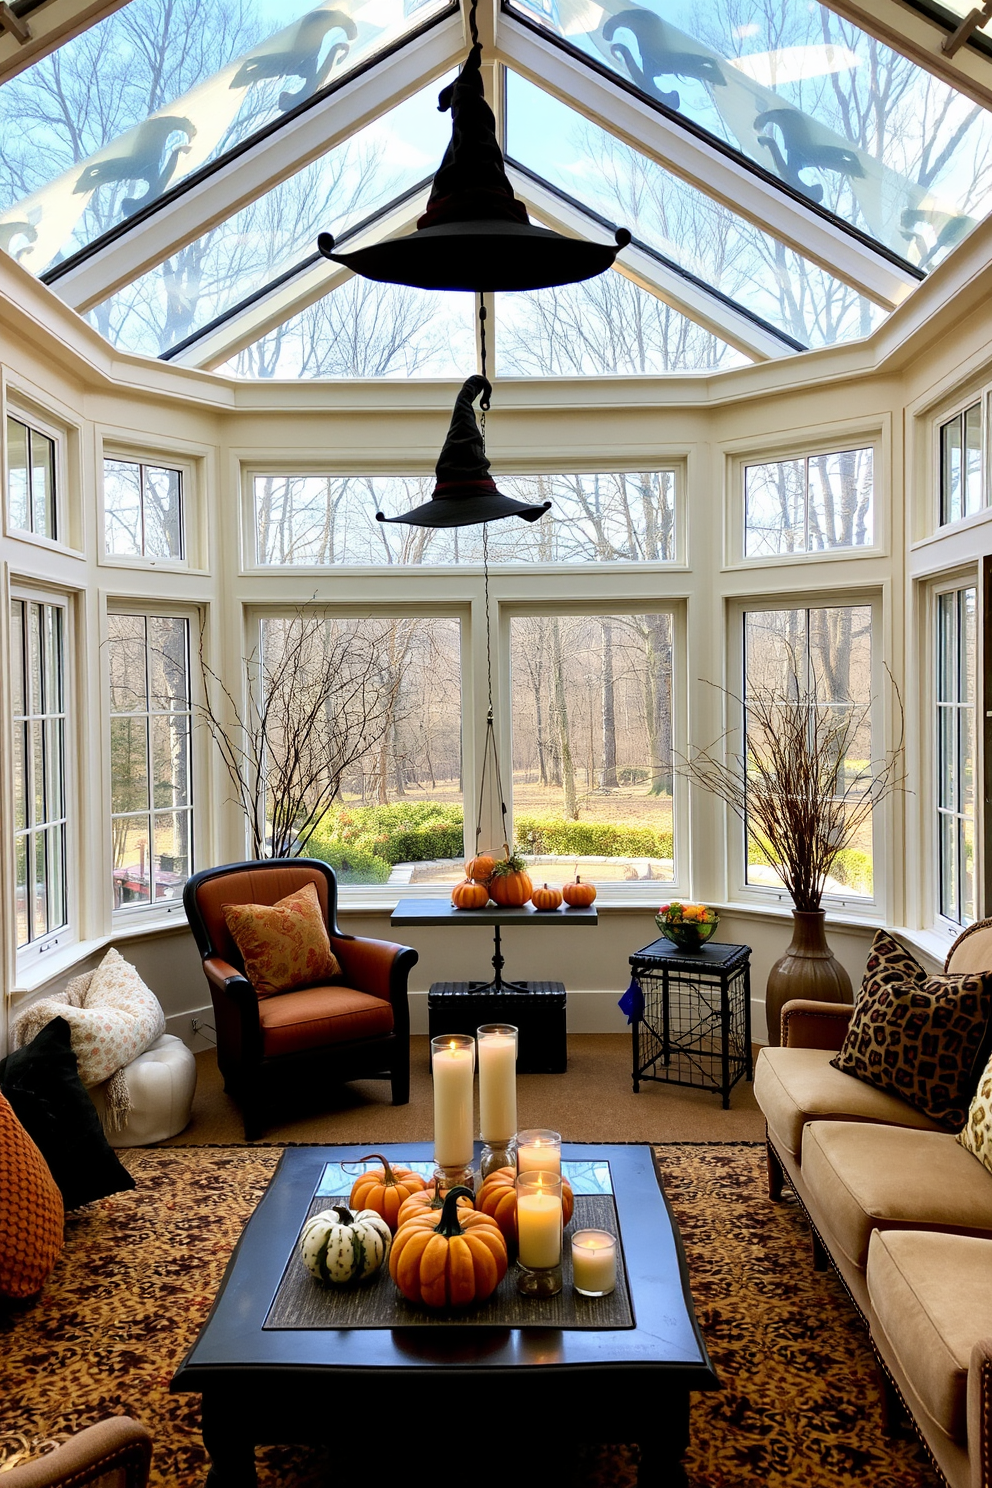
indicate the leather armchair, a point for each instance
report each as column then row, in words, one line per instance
column 112, row 1454
column 358, row 1028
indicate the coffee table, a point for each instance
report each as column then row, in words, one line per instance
column 444, row 1382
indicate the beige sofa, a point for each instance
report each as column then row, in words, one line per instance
column 905, row 1215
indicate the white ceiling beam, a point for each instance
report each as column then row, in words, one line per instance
column 275, row 157
column 292, row 295
column 921, row 38
column 50, row 25
column 645, row 270
column 712, row 170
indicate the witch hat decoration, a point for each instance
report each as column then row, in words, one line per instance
column 475, row 234
column 465, row 492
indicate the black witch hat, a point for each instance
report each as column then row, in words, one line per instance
column 465, row 492
column 475, row 234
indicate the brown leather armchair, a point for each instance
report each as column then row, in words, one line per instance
column 356, row 1029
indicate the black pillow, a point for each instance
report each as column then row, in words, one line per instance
column 42, row 1083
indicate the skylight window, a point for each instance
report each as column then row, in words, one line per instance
column 748, row 265
column 121, row 113
column 850, row 125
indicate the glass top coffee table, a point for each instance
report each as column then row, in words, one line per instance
column 281, row 1361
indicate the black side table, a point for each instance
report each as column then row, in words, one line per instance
column 691, row 1024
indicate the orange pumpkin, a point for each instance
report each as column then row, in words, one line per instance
column 428, row 1201
column 469, row 895
column 545, row 898
column 384, row 1189
column 451, row 1260
column 578, row 894
column 480, row 868
column 510, row 885
column 498, row 1198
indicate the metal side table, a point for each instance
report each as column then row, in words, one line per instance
column 691, row 1024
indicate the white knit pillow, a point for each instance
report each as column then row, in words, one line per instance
column 112, row 1014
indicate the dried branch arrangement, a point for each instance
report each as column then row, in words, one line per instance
column 794, row 786
column 317, row 699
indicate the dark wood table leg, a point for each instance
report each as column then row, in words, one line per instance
column 660, row 1460
column 232, row 1458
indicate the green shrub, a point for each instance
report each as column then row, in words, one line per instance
column 423, row 844
column 853, row 868
column 558, row 837
column 405, row 832
column 351, row 863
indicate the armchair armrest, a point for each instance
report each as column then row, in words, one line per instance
column 370, row 965
column 227, row 978
column 118, row 1446
column 980, row 1414
column 815, row 1025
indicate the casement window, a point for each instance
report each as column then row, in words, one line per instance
column 829, row 650
column 960, row 480
column 956, row 662
column 811, row 504
column 150, row 757
column 39, row 688
column 317, row 520
column 143, row 507
column 32, row 476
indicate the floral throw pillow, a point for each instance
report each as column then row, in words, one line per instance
column 976, row 1134
column 283, row 945
column 890, row 965
column 920, row 1042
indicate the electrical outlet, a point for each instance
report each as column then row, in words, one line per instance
column 195, row 1025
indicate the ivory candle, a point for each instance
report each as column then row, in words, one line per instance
column 594, row 1262
column 538, row 1152
column 453, row 1066
column 539, row 1217
column 497, row 1081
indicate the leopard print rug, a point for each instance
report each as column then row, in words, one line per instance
column 799, row 1407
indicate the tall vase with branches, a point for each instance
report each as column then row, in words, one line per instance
column 803, row 797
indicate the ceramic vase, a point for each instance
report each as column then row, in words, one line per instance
column 808, row 969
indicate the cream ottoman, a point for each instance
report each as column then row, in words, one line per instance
column 160, row 1082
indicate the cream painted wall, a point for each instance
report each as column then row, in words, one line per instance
column 932, row 354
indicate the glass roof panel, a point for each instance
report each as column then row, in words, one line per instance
column 238, row 257
column 366, row 329
column 603, row 327
column 850, row 124
column 117, row 115
column 752, row 268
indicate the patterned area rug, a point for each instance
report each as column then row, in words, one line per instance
column 799, row 1404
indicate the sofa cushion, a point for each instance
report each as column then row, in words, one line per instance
column 283, row 945
column 920, row 1042
column 890, row 965
column 42, row 1083
column 30, row 1214
column 793, row 1086
column 931, row 1302
column 321, row 1015
column 890, row 1177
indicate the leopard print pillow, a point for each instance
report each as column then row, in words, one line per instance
column 976, row 1134
column 890, row 965
column 920, row 1041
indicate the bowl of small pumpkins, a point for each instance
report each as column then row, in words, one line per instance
column 689, row 926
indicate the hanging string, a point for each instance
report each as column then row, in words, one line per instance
column 484, row 404
column 489, row 748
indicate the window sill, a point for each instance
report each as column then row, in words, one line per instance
column 934, row 943
column 47, row 968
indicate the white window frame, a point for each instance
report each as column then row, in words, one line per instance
column 855, row 906
column 195, row 463
column 29, row 959
column 948, row 411
column 143, row 914
column 42, row 423
column 950, row 584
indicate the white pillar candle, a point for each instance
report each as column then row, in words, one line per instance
column 453, row 1066
column 594, row 1262
column 497, row 1082
column 539, row 1217
column 538, row 1152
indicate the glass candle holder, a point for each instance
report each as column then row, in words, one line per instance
column 538, row 1151
column 594, row 1263
column 453, row 1069
column 497, row 1094
column 539, row 1232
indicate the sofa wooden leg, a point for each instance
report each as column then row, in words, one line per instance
column 400, row 1083
column 776, row 1174
column 821, row 1259
column 894, row 1421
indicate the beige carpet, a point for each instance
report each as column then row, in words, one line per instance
column 592, row 1102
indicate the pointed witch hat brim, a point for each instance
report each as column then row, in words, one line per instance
column 465, row 492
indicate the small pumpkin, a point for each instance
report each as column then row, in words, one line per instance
column 480, row 868
column 498, row 1198
column 580, row 895
column 339, row 1247
column 429, row 1201
column 448, row 1260
column 546, row 898
column 384, row 1189
column 510, row 886
column 469, row 895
